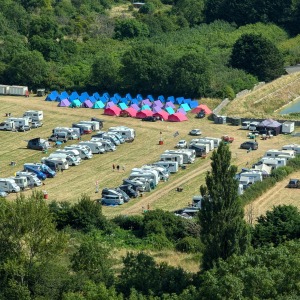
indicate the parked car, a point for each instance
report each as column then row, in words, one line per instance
column 36, row 124
column 195, row 132
column 294, row 183
column 150, row 119
column 24, row 128
column 200, row 114
column 227, row 139
column 249, row 145
column 181, row 144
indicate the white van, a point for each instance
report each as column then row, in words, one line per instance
column 8, row 185
column 34, row 115
column 209, row 142
column 74, row 154
column 84, row 151
column 71, row 134
column 32, row 179
column 60, row 163
column 171, row 166
column 96, row 147
column 71, row 160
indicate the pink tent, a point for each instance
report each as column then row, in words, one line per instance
column 202, row 107
column 144, row 113
column 158, row 103
column 112, row 111
column 177, row 117
column 128, row 112
column 163, row 115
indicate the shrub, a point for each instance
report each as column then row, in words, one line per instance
column 158, row 242
column 189, row 245
column 282, row 172
column 129, row 222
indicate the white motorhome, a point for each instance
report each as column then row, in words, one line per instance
column 248, row 178
column 96, row 147
column 171, row 166
column 87, row 128
column 8, row 185
column 74, row 154
column 280, row 153
column 107, row 144
column 245, row 125
column 7, row 125
column 20, row 121
column 109, row 137
column 295, row 147
column 188, row 155
column 34, row 115
column 145, row 175
column 94, row 124
column 126, row 132
column 60, row 163
column 21, row 181
column 32, row 179
column 172, row 157
column 217, row 141
column 273, row 162
column 85, row 152
column 253, row 125
column 146, row 170
column 209, row 142
column 200, row 148
column 71, row 134
column 163, row 172
column 71, row 160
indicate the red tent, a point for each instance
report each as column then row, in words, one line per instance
column 177, row 117
column 162, row 115
column 202, row 107
column 112, row 111
column 144, row 113
column 128, row 112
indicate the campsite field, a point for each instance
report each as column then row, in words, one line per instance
column 69, row 185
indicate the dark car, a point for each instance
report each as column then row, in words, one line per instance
column 150, row 119
column 200, row 114
column 249, row 145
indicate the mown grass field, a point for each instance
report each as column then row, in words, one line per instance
column 69, row 185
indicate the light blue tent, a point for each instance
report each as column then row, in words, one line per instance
column 122, row 105
column 75, row 103
column 98, row 104
column 145, row 107
column 73, row 96
column 170, row 110
column 185, row 106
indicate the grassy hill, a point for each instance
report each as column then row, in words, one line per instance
column 267, row 100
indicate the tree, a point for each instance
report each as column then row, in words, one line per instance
column 257, row 56
column 130, row 28
column 277, row 226
column 223, row 230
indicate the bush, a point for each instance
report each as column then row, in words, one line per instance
column 282, row 172
column 158, row 242
column 189, row 245
column 134, row 223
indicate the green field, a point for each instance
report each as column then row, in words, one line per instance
column 69, row 185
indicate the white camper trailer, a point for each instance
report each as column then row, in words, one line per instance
column 96, row 147
column 273, row 162
column 73, row 160
column 172, row 157
column 288, row 127
column 94, row 124
column 21, row 181
column 188, row 155
column 217, row 141
column 107, row 144
column 19, row 122
column 245, row 125
column 32, row 179
column 171, row 166
column 70, row 132
column 280, row 153
column 7, row 125
column 209, row 142
column 126, row 132
column 34, row 115
column 155, row 176
column 295, row 147
column 8, row 185
column 60, row 163
column 85, row 152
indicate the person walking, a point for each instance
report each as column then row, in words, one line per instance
column 113, row 166
column 118, row 168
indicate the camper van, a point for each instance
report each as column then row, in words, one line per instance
column 73, row 152
column 200, row 149
column 21, row 181
column 163, row 172
column 84, row 151
column 70, row 157
column 245, row 125
column 58, row 137
column 19, row 122
column 280, row 153
column 96, row 147
column 145, row 170
column 8, row 185
column 217, row 141
column 189, row 155
column 172, row 157
column 146, row 180
column 295, row 147
column 34, row 115
column 209, row 142
column 112, row 199
column 273, row 162
column 86, row 128
column 55, row 163
column 171, row 166
column 32, row 179
column 38, row 144
column 40, row 167
column 40, row 175
column 126, row 132
column 110, row 137
column 94, row 124
column 107, row 144
column 7, row 125
column 70, row 132
column 117, row 135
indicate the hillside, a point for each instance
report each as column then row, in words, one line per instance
column 267, row 100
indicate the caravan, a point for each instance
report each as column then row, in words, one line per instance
column 70, row 132
column 32, row 179
column 188, row 155
column 21, row 181
column 70, row 157
column 272, row 162
column 96, row 147
column 288, row 154
column 295, row 147
column 168, row 157
column 171, row 166
column 55, row 163
column 8, row 185
column 84, row 151
column 107, row 144
column 94, row 124
column 127, row 133
column 209, row 142
column 34, row 115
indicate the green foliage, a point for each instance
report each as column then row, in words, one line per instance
column 189, row 245
column 147, row 8
column 282, row 172
column 223, row 230
column 277, row 226
column 130, row 28
column 257, row 56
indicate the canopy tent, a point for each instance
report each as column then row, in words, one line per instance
column 177, row 117
column 122, row 105
column 181, row 110
column 144, row 113
column 185, row 106
column 109, row 104
column 135, row 107
column 145, row 107
column 157, row 103
column 193, row 103
column 202, row 107
column 156, row 109
column 128, row 112
column 64, row 103
column 73, row 96
column 163, row 115
column 170, row 110
column 270, row 125
column 75, row 103
column 87, row 103
column 98, row 104
column 169, row 104
column 112, row 111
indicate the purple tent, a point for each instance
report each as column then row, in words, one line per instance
column 157, row 103
column 169, row 104
column 109, row 104
column 64, row 103
column 146, row 102
column 87, row 103
column 181, row 110
column 135, row 107
column 156, row 109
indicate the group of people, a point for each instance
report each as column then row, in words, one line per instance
column 118, row 168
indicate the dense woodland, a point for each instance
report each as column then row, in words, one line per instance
column 183, row 47
column 62, row 251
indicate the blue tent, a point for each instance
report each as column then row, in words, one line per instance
column 170, row 110
column 161, row 98
column 187, row 101
column 60, row 98
column 185, row 106
column 179, row 100
column 103, row 99
column 86, row 95
column 64, row 95
column 128, row 96
column 150, row 97
column 193, row 104
column 134, row 101
column 51, row 97
column 117, row 96
column 96, row 95
column 73, row 96
column 113, row 99
column 92, row 99
column 171, row 99
column 139, row 97
column 82, row 98
column 106, row 95
column 123, row 100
